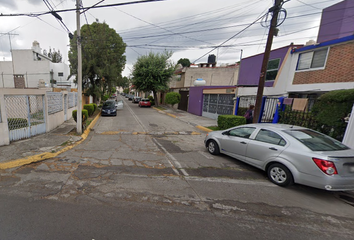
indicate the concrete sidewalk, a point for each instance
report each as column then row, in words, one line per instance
column 49, row 145
column 194, row 120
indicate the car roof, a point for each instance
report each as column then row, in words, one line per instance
column 276, row 126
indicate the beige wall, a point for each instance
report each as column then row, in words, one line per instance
column 217, row 76
column 213, row 76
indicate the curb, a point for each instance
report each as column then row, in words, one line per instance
column 47, row 155
column 174, row 116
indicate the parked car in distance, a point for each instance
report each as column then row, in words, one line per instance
column 130, row 97
column 119, row 104
column 289, row 154
column 136, row 99
column 144, row 102
column 109, row 108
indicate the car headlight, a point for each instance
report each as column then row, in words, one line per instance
column 103, row 110
column 114, row 110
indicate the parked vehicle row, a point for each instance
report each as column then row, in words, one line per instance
column 142, row 102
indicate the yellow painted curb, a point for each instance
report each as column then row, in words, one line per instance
column 171, row 115
column 204, row 128
column 47, row 155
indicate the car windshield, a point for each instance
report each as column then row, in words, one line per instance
column 145, row 100
column 316, row 141
column 108, row 104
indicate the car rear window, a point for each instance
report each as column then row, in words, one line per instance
column 108, row 104
column 316, row 141
column 145, row 100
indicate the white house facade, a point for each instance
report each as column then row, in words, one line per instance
column 29, row 68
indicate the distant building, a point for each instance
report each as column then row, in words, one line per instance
column 29, row 68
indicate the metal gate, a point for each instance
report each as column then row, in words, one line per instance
column 183, row 104
column 65, row 106
column 217, row 104
column 269, row 108
column 25, row 116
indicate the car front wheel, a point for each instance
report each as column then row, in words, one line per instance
column 213, row 147
column 280, row 175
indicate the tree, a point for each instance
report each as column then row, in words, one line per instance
column 102, row 58
column 152, row 72
column 55, row 55
column 184, row 62
column 173, row 98
column 123, row 82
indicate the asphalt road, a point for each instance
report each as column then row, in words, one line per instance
column 146, row 175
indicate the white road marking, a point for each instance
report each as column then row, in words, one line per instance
column 169, row 155
column 207, row 155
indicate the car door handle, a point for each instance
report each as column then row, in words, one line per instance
column 273, row 149
column 243, row 142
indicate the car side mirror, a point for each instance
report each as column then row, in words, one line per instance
column 226, row 133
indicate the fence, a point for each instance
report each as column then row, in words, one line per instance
column 55, row 102
column 28, row 112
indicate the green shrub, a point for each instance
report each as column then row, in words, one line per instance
column 151, row 98
column 94, row 106
column 90, row 108
column 16, row 123
column 84, row 115
column 330, row 109
column 228, row 121
column 172, row 98
column 105, row 97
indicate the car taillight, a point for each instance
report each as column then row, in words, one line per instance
column 327, row 167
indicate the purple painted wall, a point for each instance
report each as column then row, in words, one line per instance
column 250, row 68
column 195, row 101
column 337, row 21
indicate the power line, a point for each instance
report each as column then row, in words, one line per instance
column 74, row 9
column 229, row 38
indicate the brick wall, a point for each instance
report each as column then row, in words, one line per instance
column 339, row 67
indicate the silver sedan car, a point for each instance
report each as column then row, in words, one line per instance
column 289, row 154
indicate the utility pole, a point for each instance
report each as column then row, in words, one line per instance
column 79, row 71
column 275, row 12
column 12, row 56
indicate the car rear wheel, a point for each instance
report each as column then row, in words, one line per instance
column 280, row 175
column 213, row 147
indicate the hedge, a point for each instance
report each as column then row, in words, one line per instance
column 94, row 106
column 331, row 108
column 228, row 121
column 90, row 108
column 173, row 98
column 84, row 115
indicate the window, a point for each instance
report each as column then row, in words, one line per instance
column 60, row 74
column 270, row 137
column 272, row 69
column 244, row 132
column 316, row 141
column 315, row 59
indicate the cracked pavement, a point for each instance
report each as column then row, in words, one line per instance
column 173, row 173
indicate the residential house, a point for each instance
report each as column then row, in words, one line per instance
column 298, row 71
column 29, row 68
column 213, row 97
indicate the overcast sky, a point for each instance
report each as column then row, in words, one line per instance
column 190, row 28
